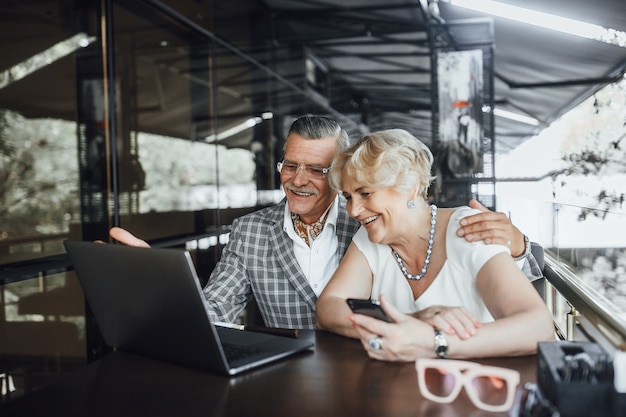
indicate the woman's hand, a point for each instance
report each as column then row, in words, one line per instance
column 451, row 320
column 404, row 340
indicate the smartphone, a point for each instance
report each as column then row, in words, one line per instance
column 368, row 307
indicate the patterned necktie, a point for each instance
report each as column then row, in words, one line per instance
column 304, row 230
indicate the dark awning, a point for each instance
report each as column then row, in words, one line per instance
column 373, row 57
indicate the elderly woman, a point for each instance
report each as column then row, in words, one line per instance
column 466, row 300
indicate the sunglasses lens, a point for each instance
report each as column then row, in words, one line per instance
column 439, row 382
column 490, row 390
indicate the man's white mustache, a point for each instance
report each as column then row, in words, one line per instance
column 302, row 190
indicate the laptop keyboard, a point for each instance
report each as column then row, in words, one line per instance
column 238, row 352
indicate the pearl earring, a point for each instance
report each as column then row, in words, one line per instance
column 410, row 204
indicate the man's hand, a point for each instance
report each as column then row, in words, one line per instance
column 491, row 227
column 127, row 238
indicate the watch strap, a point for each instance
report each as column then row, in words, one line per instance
column 526, row 250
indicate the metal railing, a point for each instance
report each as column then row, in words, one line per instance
column 598, row 317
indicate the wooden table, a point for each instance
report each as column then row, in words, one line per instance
column 337, row 378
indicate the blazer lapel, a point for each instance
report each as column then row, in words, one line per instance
column 283, row 252
column 346, row 228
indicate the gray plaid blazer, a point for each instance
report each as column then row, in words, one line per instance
column 259, row 261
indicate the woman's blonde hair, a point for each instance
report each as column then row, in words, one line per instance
column 387, row 159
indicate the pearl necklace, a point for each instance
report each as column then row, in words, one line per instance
column 429, row 251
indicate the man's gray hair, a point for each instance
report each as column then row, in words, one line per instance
column 319, row 127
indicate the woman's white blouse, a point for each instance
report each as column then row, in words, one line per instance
column 455, row 285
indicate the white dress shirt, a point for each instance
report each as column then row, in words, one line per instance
column 318, row 262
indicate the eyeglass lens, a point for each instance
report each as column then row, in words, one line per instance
column 490, row 390
column 290, row 168
column 439, row 382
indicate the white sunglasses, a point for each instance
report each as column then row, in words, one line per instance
column 490, row 388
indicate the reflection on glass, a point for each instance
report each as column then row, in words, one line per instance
column 44, row 58
column 38, row 196
column 42, row 325
column 593, row 244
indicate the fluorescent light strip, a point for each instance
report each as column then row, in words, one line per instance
column 44, row 58
column 545, row 20
column 516, row 116
column 251, row 122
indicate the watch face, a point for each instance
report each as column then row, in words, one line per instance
column 441, row 344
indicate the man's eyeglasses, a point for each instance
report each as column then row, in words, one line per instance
column 490, row 388
column 311, row 171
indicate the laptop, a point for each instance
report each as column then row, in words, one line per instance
column 149, row 302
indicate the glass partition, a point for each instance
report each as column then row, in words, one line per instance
column 42, row 328
column 592, row 240
column 199, row 135
column 167, row 126
column 42, row 314
column 589, row 246
column 156, row 116
column 38, row 147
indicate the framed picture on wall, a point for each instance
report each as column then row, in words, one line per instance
column 460, row 88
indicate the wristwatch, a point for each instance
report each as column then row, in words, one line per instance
column 526, row 250
column 441, row 344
